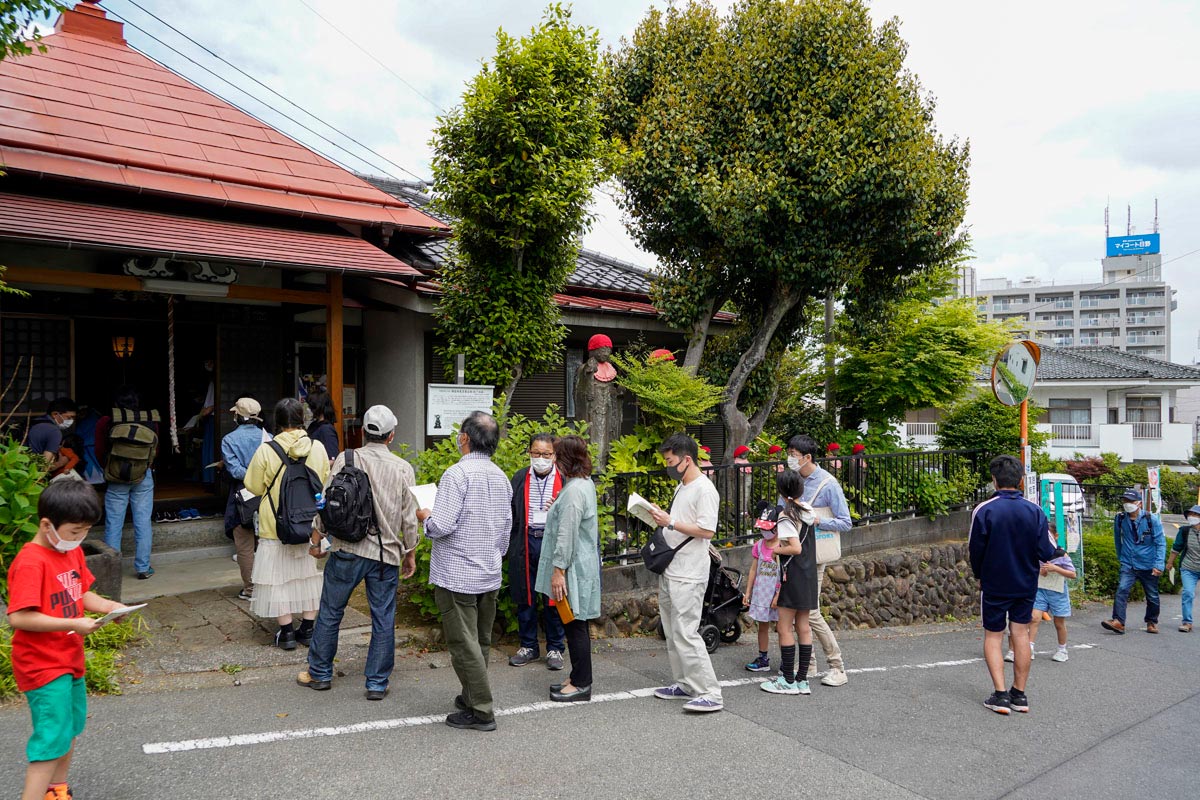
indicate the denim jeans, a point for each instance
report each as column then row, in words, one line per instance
column 1189, row 591
column 140, row 498
column 1149, row 584
column 527, row 615
column 343, row 572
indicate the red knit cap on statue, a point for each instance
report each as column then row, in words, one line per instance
column 775, row 448
column 858, row 448
column 834, row 446
column 741, row 451
column 598, row 341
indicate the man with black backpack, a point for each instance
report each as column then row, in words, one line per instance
column 370, row 520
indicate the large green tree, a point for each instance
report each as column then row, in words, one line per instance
column 17, row 36
column 515, row 164
column 776, row 155
column 924, row 352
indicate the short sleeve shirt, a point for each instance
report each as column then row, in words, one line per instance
column 53, row 583
column 695, row 503
column 44, row 436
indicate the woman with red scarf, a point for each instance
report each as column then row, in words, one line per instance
column 534, row 488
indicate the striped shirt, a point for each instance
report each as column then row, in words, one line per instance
column 470, row 526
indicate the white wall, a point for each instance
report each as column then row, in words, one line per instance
column 395, row 363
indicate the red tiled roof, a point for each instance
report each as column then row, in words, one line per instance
column 25, row 218
column 91, row 108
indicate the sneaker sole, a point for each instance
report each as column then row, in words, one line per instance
column 476, row 726
column 835, row 683
column 781, row 691
column 554, row 668
column 1020, row 710
column 687, row 698
column 758, row 669
column 707, row 710
column 998, row 709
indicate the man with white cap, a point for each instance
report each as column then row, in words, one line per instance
column 237, row 448
column 380, row 558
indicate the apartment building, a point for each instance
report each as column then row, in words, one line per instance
column 1130, row 309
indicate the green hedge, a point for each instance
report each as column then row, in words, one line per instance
column 1102, row 571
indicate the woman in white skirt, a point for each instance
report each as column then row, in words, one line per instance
column 287, row 580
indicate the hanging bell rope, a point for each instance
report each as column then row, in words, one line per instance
column 172, row 419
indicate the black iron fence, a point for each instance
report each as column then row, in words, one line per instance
column 877, row 487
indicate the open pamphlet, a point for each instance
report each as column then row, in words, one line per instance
column 425, row 494
column 118, row 613
column 1053, row 581
column 640, row 507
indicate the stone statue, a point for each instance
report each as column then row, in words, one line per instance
column 598, row 397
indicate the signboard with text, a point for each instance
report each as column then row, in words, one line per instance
column 1136, row 245
column 448, row 404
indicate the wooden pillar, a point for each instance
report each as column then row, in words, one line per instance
column 335, row 350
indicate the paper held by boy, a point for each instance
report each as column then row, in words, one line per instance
column 116, row 614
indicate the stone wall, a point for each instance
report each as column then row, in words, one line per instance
column 899, row 586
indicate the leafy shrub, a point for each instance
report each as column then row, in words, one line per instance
column 669, row 397
column 982, row 423
column 22, row 477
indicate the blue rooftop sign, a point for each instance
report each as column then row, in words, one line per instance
column 1136, row 245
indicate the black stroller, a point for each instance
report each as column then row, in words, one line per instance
column 720, row 615
column 719, row 619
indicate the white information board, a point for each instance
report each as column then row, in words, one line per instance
column 448, row 404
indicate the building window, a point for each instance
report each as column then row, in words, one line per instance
column 46, row 340
column 1143, row 409
column 1070, row 412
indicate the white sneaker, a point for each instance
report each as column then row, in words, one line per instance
column 1009, row 656
column 1060, row 656
column 834, row 677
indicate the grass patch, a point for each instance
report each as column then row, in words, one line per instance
column 102, row 652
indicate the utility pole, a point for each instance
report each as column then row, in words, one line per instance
column 829, row 353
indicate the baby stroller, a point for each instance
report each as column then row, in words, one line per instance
column 719, row 618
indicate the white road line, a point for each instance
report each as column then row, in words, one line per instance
column 243, row 739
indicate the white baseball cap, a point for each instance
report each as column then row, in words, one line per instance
column 379, row 421
column 247, row 408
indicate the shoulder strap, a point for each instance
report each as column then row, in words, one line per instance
column 350, row 458
column 283, row 461
column 820, row 486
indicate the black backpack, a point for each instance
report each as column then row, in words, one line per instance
column 298, row 492
column 349, row 512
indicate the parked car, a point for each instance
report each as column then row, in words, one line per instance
column 1074, row 499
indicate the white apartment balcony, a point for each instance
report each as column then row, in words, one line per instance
column 1145, row 338
column 1077, row 434
column 1146, row 319
column 1098, row 341
column 1154, row 442
column 1064, row 323
column 1146, row 430
column 921, row 434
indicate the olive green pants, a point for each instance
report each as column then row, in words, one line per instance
column 467, row 621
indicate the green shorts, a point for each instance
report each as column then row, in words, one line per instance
column 59, row 711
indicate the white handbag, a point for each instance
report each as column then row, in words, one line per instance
column 829, row 543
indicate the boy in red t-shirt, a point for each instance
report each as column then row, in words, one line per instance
column 48, row 586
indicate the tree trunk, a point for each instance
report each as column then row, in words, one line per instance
column 697, row 337
column 829, row 354
column 737, row 426
column 509, row 391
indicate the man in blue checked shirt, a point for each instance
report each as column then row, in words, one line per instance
column 469, row 527
column 821, row 490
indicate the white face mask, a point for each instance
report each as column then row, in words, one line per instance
column 1130, row 507
column 64, row 545
column 793, row 463
column 65, row 424
column 1193, row 520
column 541, row 465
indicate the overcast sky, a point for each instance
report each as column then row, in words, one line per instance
column 1067, row 105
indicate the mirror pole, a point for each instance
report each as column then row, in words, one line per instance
column 1024, row 432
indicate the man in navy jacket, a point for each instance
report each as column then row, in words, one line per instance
column 1009, row 541
column 1142, row 553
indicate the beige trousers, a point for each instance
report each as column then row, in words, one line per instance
column 243, row 543
column 821, row 630
column 679, row 606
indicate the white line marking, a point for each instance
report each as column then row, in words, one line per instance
column 243, row 739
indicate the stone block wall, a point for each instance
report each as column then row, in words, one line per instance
column 925, row 583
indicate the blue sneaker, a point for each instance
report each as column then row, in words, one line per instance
column 672, row 692
column 703, row 705
column 802, row 687
column 760, row 664
column 780, row 685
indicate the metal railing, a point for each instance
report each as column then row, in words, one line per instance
column 1072, row 432
column 920, row 430
column 1146, row 430
column 877, row 487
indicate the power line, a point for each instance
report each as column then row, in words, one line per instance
column 239, row 107
column 269, row 89
column 371, row 56
column 1125, row 279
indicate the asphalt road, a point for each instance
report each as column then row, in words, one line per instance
column 1118, row 719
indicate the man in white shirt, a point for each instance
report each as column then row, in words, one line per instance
column 693, row 515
